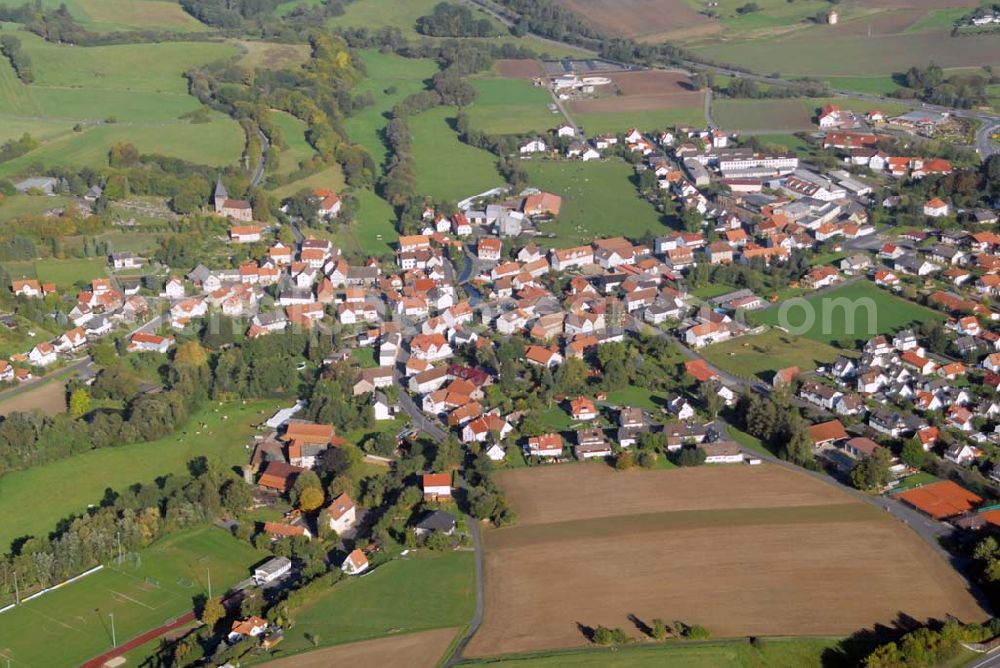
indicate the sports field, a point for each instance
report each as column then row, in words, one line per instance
column 759, row 355
column 416, row 593
column 72, row 624
column 511, row 106
column 743, row 551
column 599, row 200
column 445, row 167
column 876, row 311
column 82, row 479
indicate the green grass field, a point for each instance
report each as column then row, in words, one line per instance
column 422, row 592
column 511, row 106
column 621, row 121
column 375, row 230
column 217, row 143
column 293, row 133
column 845, row 50
column 445, row 167
column 115, row 15
column 389, row 79
column 331, row 177
column 20, row 340
column 599, row 200
column 891, row 314
column 774, row 116
column 757, row 356
column 17, row 206
column 140, row 86
column 778, row 653
column 82, row 479
column 72, row 624
column 66, row 273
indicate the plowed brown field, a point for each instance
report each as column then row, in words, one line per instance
column 739, row 550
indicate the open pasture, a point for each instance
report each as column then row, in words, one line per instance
column 641, row 18
column 519, row 69
column 272, row 55
column 445, row 167
column 742, row 551
column 759, row 355
column 644, row 91
column 124, row 15
column 857, row 311
column 413, row 650
column 846, row 50
column 72, row 624
column 421, row 592
column 511, row 106
column 599, row 200
column 771, row 116
column 83, row 478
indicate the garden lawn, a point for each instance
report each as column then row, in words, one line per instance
column 778, row 653
column 72, row 624
column 66, row 273
column 447, row 169
column 599, row 200
column 637, row 396
column 511, row 106
column 891, row 314
column 389, row 79
column 424, row 591
column 756, row 357
column 82, row 479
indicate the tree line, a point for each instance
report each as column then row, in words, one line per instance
column 10, row 46
column 450, row 20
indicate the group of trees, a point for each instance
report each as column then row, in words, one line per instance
column 13, row 148
column 135, row 516
column 778, row 424
column 747, row 88
column 10, row 46
column 926, row 646
column 931, row 85
column 228, row 13
column 450, row 20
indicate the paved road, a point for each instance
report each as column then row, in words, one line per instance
column 258, row 173
column 991, row 660
column 477, row 616
column 420, row 421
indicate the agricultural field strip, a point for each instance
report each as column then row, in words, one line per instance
column 673, row 521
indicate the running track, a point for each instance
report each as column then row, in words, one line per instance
column 141, row 639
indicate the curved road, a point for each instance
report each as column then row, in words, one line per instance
column 258, row 173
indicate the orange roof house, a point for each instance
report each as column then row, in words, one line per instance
column 826, row 433
column 698, row 369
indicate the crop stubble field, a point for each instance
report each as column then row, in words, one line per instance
column 413, row 650
column 740, row 550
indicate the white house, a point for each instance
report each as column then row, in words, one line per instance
column 355, row 563
column 532, row 146
column 342, row 514
column 43, row 354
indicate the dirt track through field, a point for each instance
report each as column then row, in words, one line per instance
column 413, row 650
column 741, row 550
